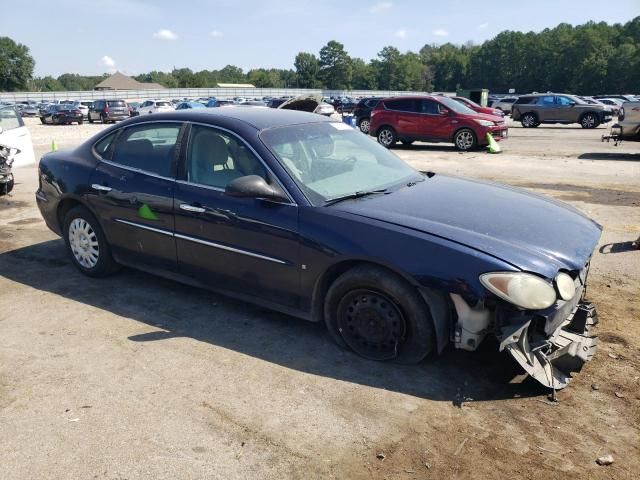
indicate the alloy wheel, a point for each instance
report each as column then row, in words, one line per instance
column 464, row 140
column 386, row 137
column 528, row 120
column 364, row 126
column 84, row 243
column 588, row 121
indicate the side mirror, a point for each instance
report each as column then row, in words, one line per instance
column 444, row 111
column 253, row 186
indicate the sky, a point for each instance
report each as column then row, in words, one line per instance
column 91, row 37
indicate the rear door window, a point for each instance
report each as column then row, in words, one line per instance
column 546, row 101
column 149, row 147
column 409, row 105
column 9, row 119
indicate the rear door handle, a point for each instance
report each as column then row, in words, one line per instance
column 100, row 188
column 191, row 208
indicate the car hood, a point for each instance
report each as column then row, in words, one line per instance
column 529, row 231
column 485, row 116
column 304, row 103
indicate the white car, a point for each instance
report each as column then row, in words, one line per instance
column 155, row 106
column 14, row 134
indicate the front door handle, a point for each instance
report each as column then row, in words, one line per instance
column 100, row 188
column 191, row 208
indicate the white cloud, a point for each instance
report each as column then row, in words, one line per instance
column 483, row 26
column 108, row 63
column 381, row 7
column 165, row 34
column 401, row 34
column 216, row 34
column 440, row 32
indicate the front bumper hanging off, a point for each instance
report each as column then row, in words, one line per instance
column 552, row 360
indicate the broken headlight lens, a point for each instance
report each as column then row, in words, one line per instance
column 566, row 286
column 523, row 290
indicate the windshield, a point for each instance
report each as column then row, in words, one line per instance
column 456, row 106
column 331, row 159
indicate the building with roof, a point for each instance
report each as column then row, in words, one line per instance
column 119, row 81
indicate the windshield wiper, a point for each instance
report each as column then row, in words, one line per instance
column 359, row 194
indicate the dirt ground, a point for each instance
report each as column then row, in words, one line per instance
column 138, row 377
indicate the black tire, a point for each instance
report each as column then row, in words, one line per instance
column 363, row 125
column 589, row 120
column 379, row 316
column 387, row 137
column 103, row 118
column 42, row 120
column 81, row 121
column 6, row 188
column 105, row 264
column 407, row 142
column 89, row 118
column 529, row 120
column 465, row 140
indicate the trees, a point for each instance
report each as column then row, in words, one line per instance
column 307, row 68
column 16, row 65
column 335, row 66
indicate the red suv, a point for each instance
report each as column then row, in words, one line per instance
column 433, row 119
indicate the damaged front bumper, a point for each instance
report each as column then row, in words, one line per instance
column 552, row 359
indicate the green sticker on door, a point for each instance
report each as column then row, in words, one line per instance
column 145, row 212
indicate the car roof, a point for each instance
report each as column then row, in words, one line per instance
column 260, row 118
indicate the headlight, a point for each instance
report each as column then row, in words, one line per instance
column 521, row 289
column 485, row 123
column 566, row 286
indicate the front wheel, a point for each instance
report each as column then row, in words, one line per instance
column 42, row 120
column 6, row 188
column 103, row 118
column 86, row 243
column 379, row 316
column 465, row 140
column 387, row 137
column 80, row 122
column 589, row 121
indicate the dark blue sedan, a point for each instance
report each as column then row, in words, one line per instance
column 307, row 216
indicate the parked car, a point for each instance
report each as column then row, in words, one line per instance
column 533, row 110
column 218, row 103
column 624, row 98
column 504, row 104
column 305, row 215
column 344, row 104
column 14, row 134
column 188, row 105
column 308, row 103
column 614, row 103
column 276, row 102
column 155, row 106
column 108, row 111
column 479, row 108
column 628, row 126
column 433, row 119
column 62, row 114
column 30, row 110
column 362, row 112
column 83, row 108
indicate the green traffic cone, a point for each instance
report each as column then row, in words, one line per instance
column 54, row 145
column 493, row 146
column 145, row 212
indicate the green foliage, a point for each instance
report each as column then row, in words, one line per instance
column 335, row 66
column 585, row 59
column 16, row 65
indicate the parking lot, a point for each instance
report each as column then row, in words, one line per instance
column 135, row 376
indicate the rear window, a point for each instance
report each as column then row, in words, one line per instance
column 116, row 103
column 525, row 100
column 163, row 104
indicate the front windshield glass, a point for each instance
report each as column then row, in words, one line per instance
column 456, row 106
column 329, row 159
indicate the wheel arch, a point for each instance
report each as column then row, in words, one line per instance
column 438, row 302
column 382, row 126
column 464, row 127
column 69, row 202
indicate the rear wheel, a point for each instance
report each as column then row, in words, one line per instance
column 103, row 118
column 529, row 120
column 363, row 125
column 465, row 140
column 86, row 243
column 42, row 120
column 589, row 120
column 379, row 316
column 81, row 121
column 89, row 118
column 387, row 137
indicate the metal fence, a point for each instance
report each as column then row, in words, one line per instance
column 180, row 93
